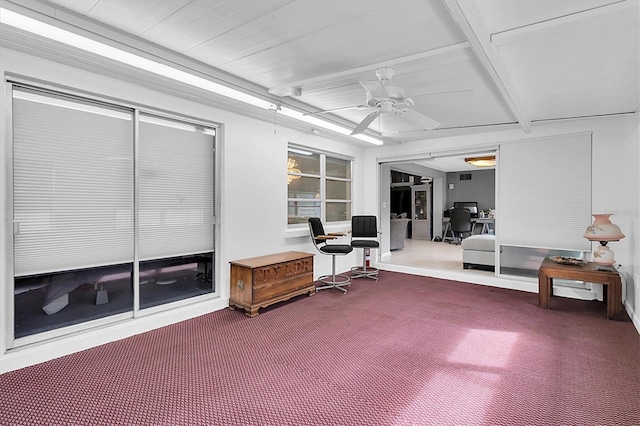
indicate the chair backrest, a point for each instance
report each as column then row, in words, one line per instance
column 364, row 227
column 316, row 228
column 460, row 220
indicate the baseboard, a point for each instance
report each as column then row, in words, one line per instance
column 36, row 353
column 513, row 283
column 635, row 317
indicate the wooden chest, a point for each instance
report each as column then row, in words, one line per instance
column 258, row 282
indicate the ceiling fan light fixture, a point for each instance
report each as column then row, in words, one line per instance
column 395, row 93
column 387, row 99
column 485, row 161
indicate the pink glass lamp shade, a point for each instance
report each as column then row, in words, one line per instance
column 603, row 230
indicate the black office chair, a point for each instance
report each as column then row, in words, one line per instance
column 320, row 239
column 364, row 235
column 460, row 223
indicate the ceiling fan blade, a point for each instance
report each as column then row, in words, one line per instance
column 422, row 120
column 376, row 89
column 326, row 111
column 365, row 123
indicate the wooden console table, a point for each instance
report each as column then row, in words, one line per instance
column 262, row 281
column 586, row 272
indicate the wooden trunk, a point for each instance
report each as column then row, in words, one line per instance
column 262, row 281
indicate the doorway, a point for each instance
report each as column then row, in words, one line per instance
column 438, row 184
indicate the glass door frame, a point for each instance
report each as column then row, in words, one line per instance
column 8, row 318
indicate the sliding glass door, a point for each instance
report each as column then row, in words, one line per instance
column 175, row 209
column 113, row 212
column 73, row 195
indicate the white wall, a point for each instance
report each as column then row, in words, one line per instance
column 615, row 181
column 631, row 222
column 254, row 210
column 253, row 213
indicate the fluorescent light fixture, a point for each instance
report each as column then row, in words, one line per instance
column 487, row 161
column 368, row 139
column 52, row 32
column 326, row 125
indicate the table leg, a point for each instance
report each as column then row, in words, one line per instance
column 614, row 299
column 545, row 291
column 446, row 230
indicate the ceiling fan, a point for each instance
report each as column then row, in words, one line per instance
column 383, row 98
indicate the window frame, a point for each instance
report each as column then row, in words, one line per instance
column 322, row 176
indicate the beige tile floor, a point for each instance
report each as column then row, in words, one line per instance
column 431, row 255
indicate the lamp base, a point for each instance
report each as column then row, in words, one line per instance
column 605, row 268
column 603, row 255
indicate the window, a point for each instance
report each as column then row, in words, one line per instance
column 318, row 185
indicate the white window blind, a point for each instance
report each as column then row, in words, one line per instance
column 73, row 183
column 545, row 192
column 176, row 189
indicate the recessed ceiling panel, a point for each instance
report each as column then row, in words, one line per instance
column 501, row 15
column 305, row 39
column 590, row 63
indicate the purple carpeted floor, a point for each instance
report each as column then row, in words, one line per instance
column 406, row 350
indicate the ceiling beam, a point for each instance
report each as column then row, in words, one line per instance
column 294, row 88
column 467, row 16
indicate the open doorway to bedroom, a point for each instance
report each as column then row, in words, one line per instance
column 416, row 197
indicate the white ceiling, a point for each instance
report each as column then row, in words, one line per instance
column 471, row 65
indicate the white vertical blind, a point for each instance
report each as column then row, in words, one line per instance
column 176, row 194
column 545, row 192
column 73, row 183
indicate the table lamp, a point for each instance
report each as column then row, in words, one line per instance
column 603, row 230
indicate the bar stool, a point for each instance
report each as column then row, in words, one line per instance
column 364, row 235
column 320, row 239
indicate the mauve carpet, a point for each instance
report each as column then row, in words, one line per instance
column 406, row 350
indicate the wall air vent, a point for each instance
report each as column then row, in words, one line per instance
column 465, row 176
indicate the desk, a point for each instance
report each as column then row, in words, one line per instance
column 585, row 272
column 487, row 225
column 485, row 222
